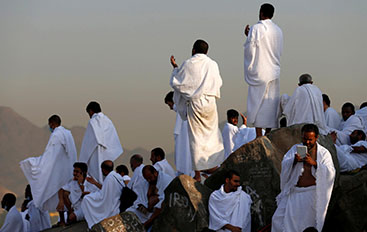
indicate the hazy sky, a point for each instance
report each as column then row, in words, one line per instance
column 57, row 55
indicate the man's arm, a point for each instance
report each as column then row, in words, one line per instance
column 232, row 228
column 173, row 62
column 93, row 181
column 150, row 221
column 247, row 29
column 359, row 149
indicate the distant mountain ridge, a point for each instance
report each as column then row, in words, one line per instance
column 20, row 139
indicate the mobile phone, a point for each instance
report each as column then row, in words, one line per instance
column 301, row 151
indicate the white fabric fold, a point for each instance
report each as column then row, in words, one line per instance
column 324, row 174
column 332, row 118
column 232, row 208
column 362, row 114
column 100, row 143
column 104, row 203
column 354, row 122
column 348, row 160
column 39, row 220
column 164, row 166
column 47, row 173
column 229, row 134
column 196, row 87
column 13, row 221
column 183, row 159
column 262, row 51
column 306, row 106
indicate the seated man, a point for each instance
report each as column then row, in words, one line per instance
column 230, row 130
column 157, row 156
column 71, row 195
column 306, row 185
column 148, row 211
column 350, row 123
column 332, row 118
column 105, row 202
column 13, row 221
column 229, row 206
column 306, row 98
column 124, row 172
column 137, row 183
column 352, row 156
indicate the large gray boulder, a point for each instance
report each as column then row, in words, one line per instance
column 185, row 206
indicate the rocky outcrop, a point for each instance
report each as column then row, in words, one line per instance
column 184, row 207
column 123, row 222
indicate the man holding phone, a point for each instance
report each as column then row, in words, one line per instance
column 303, row 201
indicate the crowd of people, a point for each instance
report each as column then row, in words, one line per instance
column 89, row 189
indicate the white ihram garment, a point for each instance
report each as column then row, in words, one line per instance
column 362, row 114
column 47, row 173
column 245, row 135
column 229, row 208
column 289, row 216
column 348, row 160
column 332, row 118
column 229, row 134
column 39, row 220
column 164, row 166
column 183, row 159
column 354, row 122
column 75, row 196
column 196, row 87
column 104, row 203
column 162, row 182
column 13, row 221
column 306, row 106
column 100, row 143
column 262, row 51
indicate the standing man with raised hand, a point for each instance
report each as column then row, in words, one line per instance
column 262, row 51
column 47, row 173
column 101, row 141
column 196, row 87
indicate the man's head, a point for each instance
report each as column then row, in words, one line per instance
column 135, row 161
column 169, row 100
column 232, row 116
column 156, row 155
column 232, row 181
column 310, row 133
column 325, row 101
column 364, row 104
column 122, row 170
column 93, row 108
column 107, row 167
column 200, row 46
column 347, row 110
column 266, row 11
column 53, row 122
column 8, row 201
column 150, row 174
column 357, row 135
column 80, row 169
column 305, row 79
